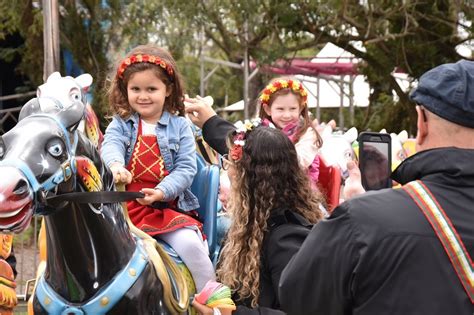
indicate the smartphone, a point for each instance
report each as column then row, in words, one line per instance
column 375, row 160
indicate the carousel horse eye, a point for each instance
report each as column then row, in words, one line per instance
column 55, row 148
column 75, row 95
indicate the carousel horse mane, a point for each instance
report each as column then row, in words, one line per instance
column 65, row 160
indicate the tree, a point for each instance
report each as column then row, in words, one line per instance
column 92, row 30
column 413, row 36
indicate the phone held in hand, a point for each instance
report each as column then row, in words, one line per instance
column 375, row 160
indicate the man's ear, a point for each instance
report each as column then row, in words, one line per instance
column 422, row 126
column 267, row 110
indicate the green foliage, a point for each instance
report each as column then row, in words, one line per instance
column 23, row 18
column 412, row 36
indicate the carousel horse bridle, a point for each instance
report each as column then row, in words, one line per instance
column 63, row 174
column 42, row 191
column 105, row 299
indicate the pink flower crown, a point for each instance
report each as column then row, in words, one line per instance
column 240, row 136
column 281, row 84
column 138, row 58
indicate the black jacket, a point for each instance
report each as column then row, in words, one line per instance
column 286, row 232
column 377, row 253
column 215, row 131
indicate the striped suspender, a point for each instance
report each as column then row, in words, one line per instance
column 447, row 234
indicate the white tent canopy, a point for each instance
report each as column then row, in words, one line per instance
column 329, row 89
column 329, row 85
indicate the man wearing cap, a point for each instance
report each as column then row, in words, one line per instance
column 405, row 250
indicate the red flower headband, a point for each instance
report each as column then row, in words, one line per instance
column 240, row 136
column 144, row 58
column 280, row 84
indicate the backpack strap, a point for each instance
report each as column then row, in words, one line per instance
column 446, row 233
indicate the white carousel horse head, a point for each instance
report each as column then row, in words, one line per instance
column 337, row 147
column 67, row 90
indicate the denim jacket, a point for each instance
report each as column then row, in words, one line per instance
column 177, row 146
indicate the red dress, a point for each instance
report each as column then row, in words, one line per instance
column 148, row 169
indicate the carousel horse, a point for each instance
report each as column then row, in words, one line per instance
column 397, row 149
column 97, row 261
column 337, row 148
column 410, row 146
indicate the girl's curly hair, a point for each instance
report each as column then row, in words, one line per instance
column 118, row 99
column 268, row 177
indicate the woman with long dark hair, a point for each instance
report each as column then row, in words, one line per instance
column 272, row 207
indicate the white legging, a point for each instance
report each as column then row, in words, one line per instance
column 188, row 244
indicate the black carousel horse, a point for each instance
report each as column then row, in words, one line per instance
column 95, row 264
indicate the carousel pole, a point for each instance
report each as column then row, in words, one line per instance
column 50, row 37
column 246, row 72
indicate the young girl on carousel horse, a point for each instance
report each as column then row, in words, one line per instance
column 283, row 102
column 150, row 147
column 272, row 207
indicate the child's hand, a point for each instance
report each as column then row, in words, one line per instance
column 205, row 310
column 353, row 186
column 151, row 195
column 121, row 174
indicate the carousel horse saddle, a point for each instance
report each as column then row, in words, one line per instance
column 330, row 183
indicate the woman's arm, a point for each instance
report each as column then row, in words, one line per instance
column 215, row 132
column 214, row 128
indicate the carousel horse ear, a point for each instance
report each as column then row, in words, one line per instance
column 327, row 131
column 53, row 76
column 351, row 134
column 403, row 136
column 72, row 115
column 31, row 107
column 84, row 81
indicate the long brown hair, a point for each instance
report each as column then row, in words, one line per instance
column 304, row 111
column 268, row 177
column 118, row 99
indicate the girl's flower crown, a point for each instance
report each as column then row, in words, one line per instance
column 280, row 84
column 144, row 58
column 240, row 136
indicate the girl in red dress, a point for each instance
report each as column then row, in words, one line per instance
column 150, row 147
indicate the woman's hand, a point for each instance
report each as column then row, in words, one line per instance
column 205, row 310
column 199, row 110
column 121, row 174
column 151, row 195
